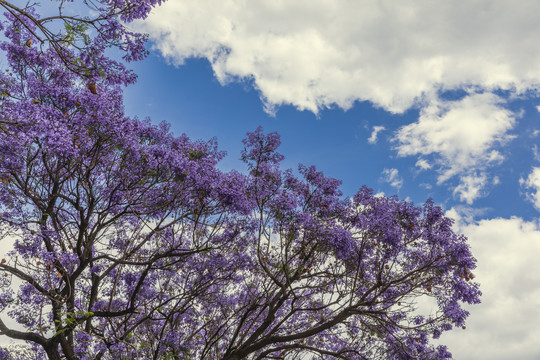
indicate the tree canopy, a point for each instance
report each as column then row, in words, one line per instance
column 130, row 243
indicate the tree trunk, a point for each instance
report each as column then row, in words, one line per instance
column 52, row 351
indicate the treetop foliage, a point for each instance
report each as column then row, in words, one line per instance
column 130, row 243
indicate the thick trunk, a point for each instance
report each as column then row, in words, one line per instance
column 52, row 351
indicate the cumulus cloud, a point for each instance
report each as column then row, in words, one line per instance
column 461, row 136
column 391, row 176
column 317, row 54
column 314, row 54
column 461, row 132
column 504, row 326
column 533, row 182
column 376, row 130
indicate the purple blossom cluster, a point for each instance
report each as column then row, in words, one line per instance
column 129, row 243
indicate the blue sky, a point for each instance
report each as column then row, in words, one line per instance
column 415, row 98
column 339, row 142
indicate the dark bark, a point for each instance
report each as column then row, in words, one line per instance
column 52, row 351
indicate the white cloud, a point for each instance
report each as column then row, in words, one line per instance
column 423, row 164
column 504, row 326
column 461, row 136
column 536, row 153
column 313, row 54
column 376, row 130
column 462, row 132
column 392, row 177
column 533, row 182
column 464, row 215
column 396, row 54
column 470, row 187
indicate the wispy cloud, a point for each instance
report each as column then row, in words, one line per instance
column 423, row 164
column 376, row 130
column 533, row 182
column 392, row 177
column 536, row 153
column 470, row 187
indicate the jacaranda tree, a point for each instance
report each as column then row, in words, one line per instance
column 79, row 42
column 123, row 241
column 329, row 278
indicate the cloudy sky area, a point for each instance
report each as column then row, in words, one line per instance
column 415, row 98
